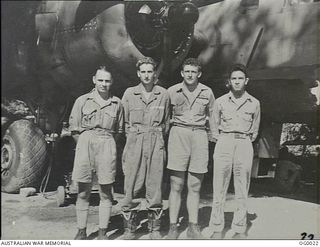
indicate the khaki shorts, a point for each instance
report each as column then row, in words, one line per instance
column 95, row 155
column 188, row 150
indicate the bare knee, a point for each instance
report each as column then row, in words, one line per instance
column 84, row 195
column 105, row 197
column 176, row 185
column 194, row 186
column 84, row 191
column 105, row 192
column 194, row 182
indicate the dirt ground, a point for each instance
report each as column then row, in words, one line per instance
column 270, row 216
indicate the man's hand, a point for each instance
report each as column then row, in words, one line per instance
column 75, row 137
column 214, row 140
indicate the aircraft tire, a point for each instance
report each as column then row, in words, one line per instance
column 23, row 156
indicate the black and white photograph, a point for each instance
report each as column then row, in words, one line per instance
column 160, row 120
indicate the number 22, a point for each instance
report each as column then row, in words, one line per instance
column 304, row 234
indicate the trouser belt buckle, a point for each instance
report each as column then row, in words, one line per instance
column 239, row 136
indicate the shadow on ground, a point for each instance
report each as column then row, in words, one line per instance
column 265, row 187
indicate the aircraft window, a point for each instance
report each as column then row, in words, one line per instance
column 249, row 4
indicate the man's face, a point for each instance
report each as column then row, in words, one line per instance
column 102, row 81
column 146, row 73
column 190, row 74
column 238, row 81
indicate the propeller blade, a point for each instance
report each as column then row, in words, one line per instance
column 87, row 10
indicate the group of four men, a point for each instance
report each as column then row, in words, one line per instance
column 146, row 113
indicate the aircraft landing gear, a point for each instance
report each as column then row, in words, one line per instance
column 23, row 155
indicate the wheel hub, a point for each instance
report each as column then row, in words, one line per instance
column 6, row 157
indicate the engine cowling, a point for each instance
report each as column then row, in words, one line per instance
column 162, row 30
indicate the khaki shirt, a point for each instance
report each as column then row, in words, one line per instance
column 192, row 112
column 140, row 113
column 231, row 117
column 87, row 114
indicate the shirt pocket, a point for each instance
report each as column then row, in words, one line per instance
column 178, row 108
column 136, row 115
column 157, row 113
column 247, row 118
column 226, row 115
column 109, row 119
column 201, row 105
column 89, row 116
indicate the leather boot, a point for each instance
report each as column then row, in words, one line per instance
column 130, row 224
column 173, row 231
column 194, row 231
column 154, row 216
column 216, row 235
column 81, row 234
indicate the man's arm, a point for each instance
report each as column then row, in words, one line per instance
column 210, row 112
column 75, row 119
column 125, row 104
column 120, row 121
column 256, row 122
column 214, row 121
column 118, row 136
column 167, row 115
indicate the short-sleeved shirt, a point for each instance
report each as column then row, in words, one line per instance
column 140, row 112
column 89, row 112
column 191, row 111
column 229, row 116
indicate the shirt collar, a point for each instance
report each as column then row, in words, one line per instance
column 181, row 86
column 139, row 89
column 93, row 94
column 245, row 96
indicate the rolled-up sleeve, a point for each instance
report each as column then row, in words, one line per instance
column 167, row 114
column 214, row 121
column 256, row 122
column 75, row 117
column 210, row 117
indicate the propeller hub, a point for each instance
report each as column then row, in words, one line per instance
column 184, row 13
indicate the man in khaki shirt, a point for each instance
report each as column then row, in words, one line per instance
column 192, row 104
column 236, row 116
column 95, row 119
column 146, row 114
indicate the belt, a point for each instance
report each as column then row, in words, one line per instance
column 236, row 135
column 144, row 129
column 190, row 126
column 101, row 131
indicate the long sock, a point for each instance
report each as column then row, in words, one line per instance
column 105, row 207
column 82, row 209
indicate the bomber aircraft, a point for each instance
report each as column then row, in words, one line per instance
column 51, row 48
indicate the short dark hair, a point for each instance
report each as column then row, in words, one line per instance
column 103, row 68
column 192, row 61
column 146, row 60
column 238, row 67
